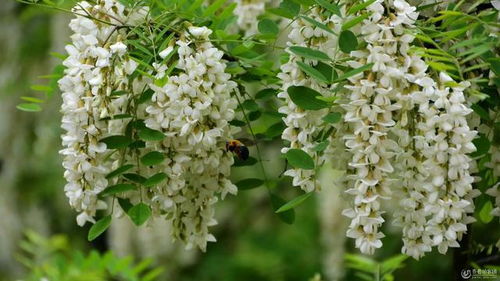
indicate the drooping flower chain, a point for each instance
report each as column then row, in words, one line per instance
column 194, row 109
column 96, row 66
column 303, row 125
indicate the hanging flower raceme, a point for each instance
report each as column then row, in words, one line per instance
column 303, row 126
column 193, row 110
column 371, row 112
column 97, row 66
column 432, row 168
column 190, row 110
column 247, row 12
column 445, row 145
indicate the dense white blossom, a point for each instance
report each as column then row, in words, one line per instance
column 445, row 143
column 374, row 100
column 302, row 126
column 193, row 109
column 408, row 132
column 96, row 66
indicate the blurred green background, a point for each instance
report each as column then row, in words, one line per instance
column 253, row 243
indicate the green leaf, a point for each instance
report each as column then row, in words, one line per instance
column 275, row 130
column 393, row 263
column 287, row 9
column 118, row 93
column 99, row 227
column 139, row 213
column 326, row 70
column 299, row 159
column 321, row 146
column 117, row 188
column 119, row 171
column 481, row 112
column 137, row 144
column 237, row 123
column 267, row 26
column 318, row 24
column 116, row 142
column 309, row 53
column 124, row 204
column 287, row 217
column 354, row 21
column 359, row 7
column 247, row 184
column 485, row 213
column 250, row 105
column 495, row 65
column 147, row 134
column 440, row 66
column 294, row 203
column 482, row 144
column 30, row 107
column 216, row 5
column 134, row 177
column 329, row 6
column 353, row 72
column 254, row 115
column 32, row 99
column 425, row 7
column 152, row 158
column 145, row 96
column 155, row 179
column 465, row 43
column 305, row 98
column 41, row 88
column 265, row 94
column 347, row 41
column 333, row 117
column 311, row 71
column 242, row 163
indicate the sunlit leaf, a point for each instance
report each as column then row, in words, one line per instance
column 139, row 213
column 99, row 227
column 309, row 53
column 305, row 98
column 247, row 184
column 299, row 159
column 294, row 203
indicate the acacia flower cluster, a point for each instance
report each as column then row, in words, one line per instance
column 371, row 113
column 432, row 140
column 302, row 126
column 96, row 66
column 247, row 12
column 193, row 109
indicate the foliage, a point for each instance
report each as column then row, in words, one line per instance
column 54, row 259
column 459, row 39
column 370, row 270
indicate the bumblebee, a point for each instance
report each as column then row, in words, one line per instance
column 238, row 148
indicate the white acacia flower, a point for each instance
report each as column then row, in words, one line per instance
column 302, row 126
column 86, row 88
column 193, row 109
column 247, row 12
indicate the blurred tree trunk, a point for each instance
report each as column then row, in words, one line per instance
column 10, row 150
column 333, row 224
column 25, row 138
